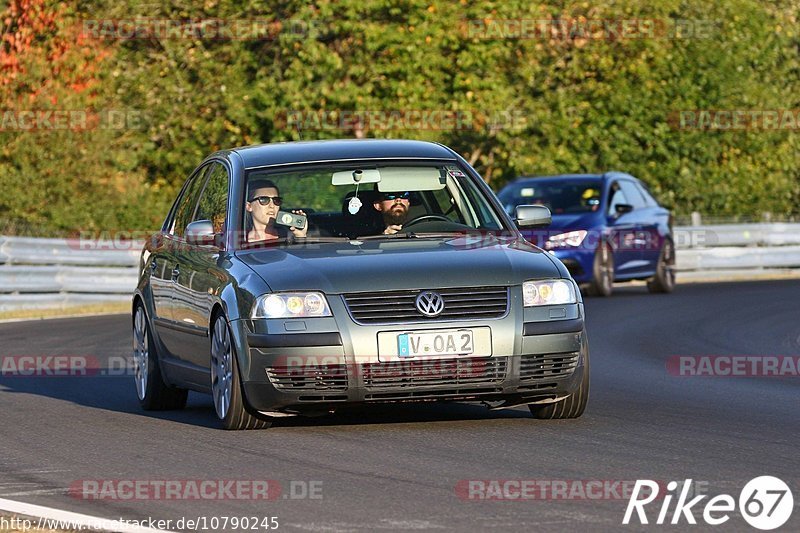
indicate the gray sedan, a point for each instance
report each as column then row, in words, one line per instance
column 304, row 278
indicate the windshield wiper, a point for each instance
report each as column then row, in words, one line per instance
column 291, row 241
column 268, row 243
column 306, row 240
column 380, row 236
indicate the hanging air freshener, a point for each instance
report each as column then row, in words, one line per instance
column 354, row 206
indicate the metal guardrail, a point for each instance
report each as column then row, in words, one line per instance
column 738, row 247
column 713, row 236
column 34, row 251
column 37, row 273
column 57, row 273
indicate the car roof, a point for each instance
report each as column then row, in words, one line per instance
column 285, row 153
column 569, row 177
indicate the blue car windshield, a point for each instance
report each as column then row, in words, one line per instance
column 561, row 197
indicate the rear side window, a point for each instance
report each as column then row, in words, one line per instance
column 213, row 204
column 648, row 196
column 188, row 202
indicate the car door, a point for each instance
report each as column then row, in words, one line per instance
column 201, row 275
column 168, row 259
column 655, row 221
column 622, row 229
column 643, row 225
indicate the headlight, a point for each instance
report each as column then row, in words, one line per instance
column 562, row 240
column 291, row 305
column 548, row 292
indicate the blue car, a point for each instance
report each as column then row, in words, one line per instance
column 606, row 228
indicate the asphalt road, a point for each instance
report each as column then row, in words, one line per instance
column 397, row 468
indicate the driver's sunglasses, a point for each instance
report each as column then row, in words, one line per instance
column 265, row 200
column 395, row 195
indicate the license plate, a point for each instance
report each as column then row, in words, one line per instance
column 435, row 343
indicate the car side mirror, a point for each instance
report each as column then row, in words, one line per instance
column 621, row 209
column 200, row 232
column 533, row 216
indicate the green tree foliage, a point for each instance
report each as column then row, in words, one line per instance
column 544, row 103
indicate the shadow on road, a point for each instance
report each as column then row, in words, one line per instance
column 118, row 394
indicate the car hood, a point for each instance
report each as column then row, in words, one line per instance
column 399, row 264
column 573, row 222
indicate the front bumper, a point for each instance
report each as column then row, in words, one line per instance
column 579, row 263
column 296, row 379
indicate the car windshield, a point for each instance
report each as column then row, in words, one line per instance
column 364, row 201
column 561, row 197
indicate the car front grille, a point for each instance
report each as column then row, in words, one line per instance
column 467, row 373
column 309, row 377
column 545, row 367
column 396, row 307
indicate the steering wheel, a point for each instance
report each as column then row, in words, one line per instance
column 421, row 218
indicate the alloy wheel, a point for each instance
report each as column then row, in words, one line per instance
column 141, row 352
column 221, row 368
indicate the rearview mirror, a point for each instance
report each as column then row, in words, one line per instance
column 200, row 232
column 357, row 175
column 533, row 216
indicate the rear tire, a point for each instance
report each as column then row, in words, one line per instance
column 226, row 383
column 602, row 283
column 664, row 280
column 153, row 393
column 573, row 405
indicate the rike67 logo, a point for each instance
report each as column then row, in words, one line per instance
column 765, row 503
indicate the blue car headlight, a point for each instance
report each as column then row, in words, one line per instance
column 548, row 292
column 565, row 240
column 291, row 305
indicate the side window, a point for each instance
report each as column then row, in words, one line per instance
column 188, row 202
column 617, row 196
column 213, row 204
column 632, row 193
column 648, row 196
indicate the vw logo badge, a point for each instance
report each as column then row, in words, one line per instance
column 430, row 303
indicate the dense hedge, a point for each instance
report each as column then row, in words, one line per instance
column 543, row 102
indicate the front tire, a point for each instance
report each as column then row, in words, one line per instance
column 153, row 393
column 664, row 280
column 602, row 283
column 226, row 384
column 573, row 405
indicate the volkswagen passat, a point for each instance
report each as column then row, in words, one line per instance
column 302, row 278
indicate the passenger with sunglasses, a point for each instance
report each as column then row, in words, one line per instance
column 394, row 208
column 263, row 203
